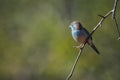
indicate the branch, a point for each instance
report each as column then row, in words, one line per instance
column 114, row 17
column 74, row 65
column 113, row 12
column 114, row 8
column 117, row 28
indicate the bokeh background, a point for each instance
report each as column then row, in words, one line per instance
column 36, row 43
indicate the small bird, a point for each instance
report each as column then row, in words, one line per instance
column 79, row 34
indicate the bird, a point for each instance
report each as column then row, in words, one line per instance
column 79, row 34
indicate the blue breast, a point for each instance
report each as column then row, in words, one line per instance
column 77, row 33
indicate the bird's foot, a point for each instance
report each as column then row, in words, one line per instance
column 118, row 38
column 80, row 46
column 76, row 46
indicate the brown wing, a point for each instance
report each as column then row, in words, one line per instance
column 87, row 33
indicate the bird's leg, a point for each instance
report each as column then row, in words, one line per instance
column 80, row 46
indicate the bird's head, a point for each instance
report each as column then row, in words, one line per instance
column 75, row 25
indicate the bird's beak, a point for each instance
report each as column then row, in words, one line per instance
column 69, row 26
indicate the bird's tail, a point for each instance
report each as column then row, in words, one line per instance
column 95, row 49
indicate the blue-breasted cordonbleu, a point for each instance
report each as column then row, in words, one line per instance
column 79, row 34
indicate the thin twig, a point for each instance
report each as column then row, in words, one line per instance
column 74, row 65
column 114, row 9
column 94, row 29
column 117, row 28
column 114, row 17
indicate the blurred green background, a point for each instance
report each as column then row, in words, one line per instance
column 36, row 43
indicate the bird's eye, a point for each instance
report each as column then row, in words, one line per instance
column 72, row 25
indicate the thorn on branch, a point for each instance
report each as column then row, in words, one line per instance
column 101, row 16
